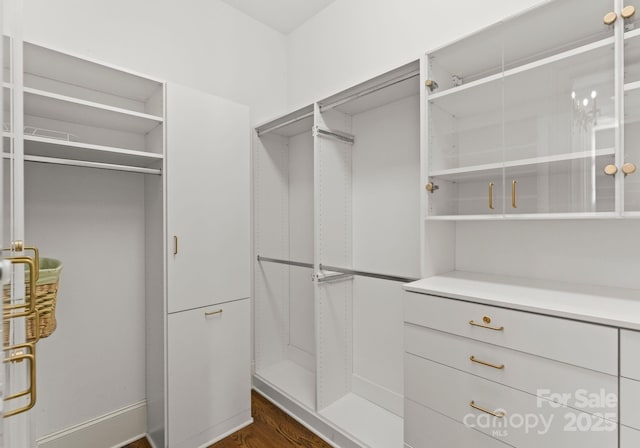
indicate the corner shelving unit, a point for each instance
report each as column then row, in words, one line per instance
column 336, row 232
column 285, row 347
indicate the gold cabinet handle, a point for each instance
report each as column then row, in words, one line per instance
column 513, row 194
column 628, row 12
column 610, row 18
column 431, row 84
column 431, row 187
column 491, row 207
column 175, row 245
column 213, row 313
column 486, row 320
column 30, row 306
column 628, row 168
column 31, row 390
column 610, row 170
column 484, row 363
column 498, row 414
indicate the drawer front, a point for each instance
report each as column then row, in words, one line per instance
column 630, row 354
column 582, row 389
column 630, row 403
column 528, row 421
column 424, row 428
column 629, row 438
column 587, row 345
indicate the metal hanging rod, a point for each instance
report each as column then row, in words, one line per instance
column 86, row 164
column 342, row 136
column 287, row 262
column 261, row 132
column 395, row 278
column 370, row 90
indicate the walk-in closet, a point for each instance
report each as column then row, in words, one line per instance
column 394, row 224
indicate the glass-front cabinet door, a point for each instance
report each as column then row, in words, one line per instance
column 626, row 167
column 522, row 117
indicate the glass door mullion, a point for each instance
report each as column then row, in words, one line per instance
column 619, row 65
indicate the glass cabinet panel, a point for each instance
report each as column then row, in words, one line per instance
column 630, row 14
column 525, row 126
column 631, row 160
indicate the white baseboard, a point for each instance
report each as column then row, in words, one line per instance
column 112, row 430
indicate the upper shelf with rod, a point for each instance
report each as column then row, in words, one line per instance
column 85, row 113
column 394, row 85
column 290, row 124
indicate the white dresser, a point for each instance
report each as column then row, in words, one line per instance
column 498, row 361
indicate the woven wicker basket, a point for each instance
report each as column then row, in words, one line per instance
column 46, row 294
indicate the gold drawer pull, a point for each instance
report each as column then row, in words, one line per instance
column 486, row 321
column 513, row 193
column 498, row 414
column 491, row 207
column 213, row 313
column 484, row 363
column 19, row 356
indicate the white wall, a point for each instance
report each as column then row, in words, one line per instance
column 204, row 44
column 93, row 221
column 352, row 40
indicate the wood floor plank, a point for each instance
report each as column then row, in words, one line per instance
column 272, row 428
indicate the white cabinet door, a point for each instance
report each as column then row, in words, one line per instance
column 208, row 170
column 209, row 381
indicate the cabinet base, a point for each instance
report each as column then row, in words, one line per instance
column 313, row 422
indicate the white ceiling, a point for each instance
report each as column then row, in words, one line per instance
column 282, row 15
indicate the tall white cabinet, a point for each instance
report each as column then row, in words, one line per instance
column 207, row 363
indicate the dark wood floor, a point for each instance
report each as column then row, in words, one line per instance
column 271, row 428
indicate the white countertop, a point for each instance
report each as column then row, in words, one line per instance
column 617, row 307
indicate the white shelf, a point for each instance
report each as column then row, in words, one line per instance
column 631, row 34
column 290, row 124
column 524, row 68
column 619, row 307
column 631, row 86
column 385, row 89
column 87, row 164
column 366, row 422
column 63, row 108
column 526, row 216
column 477, row 171
column 47, row 147
column 292, row 380
column 81, row 72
